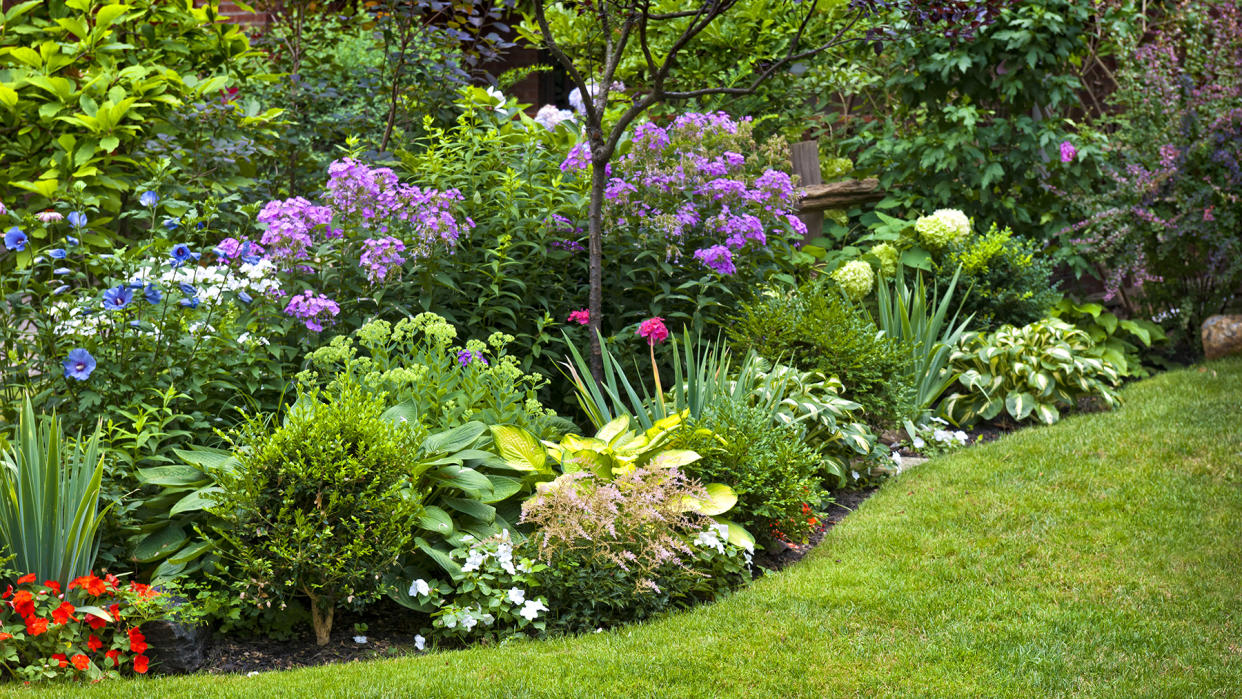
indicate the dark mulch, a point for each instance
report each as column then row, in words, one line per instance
column 227, row 654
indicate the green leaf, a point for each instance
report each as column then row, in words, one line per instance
column 435, row 519
column 1019, row 404
column 474, row 508
column 160, row 543
column 673, row 458
column 441, row 558
column 196, row 501
column 503, row 487
column 174, row 475
column 720, row 499
column 738, row 536
column 519, row 448
column 455, row 439
column 8, row 96
column 463, row 478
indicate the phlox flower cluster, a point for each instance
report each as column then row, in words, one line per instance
column 377, row 200
column 314, row 309
column 380, row 256
column 291, row 225
column 690, row 184
column 549, row 116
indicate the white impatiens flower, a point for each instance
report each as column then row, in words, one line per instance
column 420, row 643
column 517, row 595
column 420, row 588
column 497, row 95
column 710, row 538
column 473, row 560
column 960, row 436
column 942, row 436
column 531, row 609
column 918, row 443
column 360, row 639
column 469, row 620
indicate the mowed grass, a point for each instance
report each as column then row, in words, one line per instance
column 1098, row 557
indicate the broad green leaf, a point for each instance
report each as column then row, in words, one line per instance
column 673, row 458
column 435, row 519
column 503, row 487
column 463, row 478
column 1019, row 404
column 738, row 536
column 160, row 543
column 210, row 459
column 474, row 508
column 441, row 558
column 455, row 439
column 173, row 475
column 720, row 499
column 8, row 96
column 519, row 448
column 613, row 429
column 196, row 501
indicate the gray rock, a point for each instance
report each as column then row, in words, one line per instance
column 176, row 648
column 1222, row 336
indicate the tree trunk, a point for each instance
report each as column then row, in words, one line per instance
column 599, row 179
column 321, row 618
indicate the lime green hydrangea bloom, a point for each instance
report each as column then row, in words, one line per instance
column 855, row 279
column 888, row 257
column 943, row 228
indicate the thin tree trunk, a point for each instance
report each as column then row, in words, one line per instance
column 321, row 618
column 595, row 301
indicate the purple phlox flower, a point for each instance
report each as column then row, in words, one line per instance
column 466, row 357
column 118, row 297
column 550, row 116
column 796, row 224
column 650, row 136
column 290, row 224
column 79, row 364
column 1068, row 152
column 312, row 308
column 578, row 158
column 380, row 256
column 718, row 258
column 740, row 229
column 380, row 201
column 618, row 189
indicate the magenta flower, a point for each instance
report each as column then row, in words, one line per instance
column 653, row 330
column 581, row 316
column 1068, row 152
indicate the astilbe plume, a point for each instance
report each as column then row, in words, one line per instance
column 636, row 522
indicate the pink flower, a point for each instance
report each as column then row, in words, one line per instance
column 1068, row 152
column 49, row 216
column 653, row 330
column 581, row 316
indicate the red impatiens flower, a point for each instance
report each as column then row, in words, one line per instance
column 61, row 658
column 52, row 584
column 36, row 626
column 8, row 591
column 112, row 580
column 81, row 662
column 115, row 656
column 95, row 622
column 23, row 603
column 94, row 586
column 581, row 317
column 94, row 643
column 144, row 591
column 64, row 613
column 5, row 636
column 27, row 578
column 137, row 642
column 141, row 663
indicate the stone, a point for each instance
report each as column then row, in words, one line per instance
column 1222, row 336
column 176, row 648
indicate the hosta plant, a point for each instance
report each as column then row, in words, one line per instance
column 1031, row 372
column 1116, row 340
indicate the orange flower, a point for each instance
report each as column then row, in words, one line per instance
column 93, row 585
column 144, row 591
column 64, row 613
column 5, row 636
column 27, row 578
column 36, row 626
column 81, row 662
column 23, row 604
column 115, row 656
column 140, row 664
column 60, row 658
column 94, row 643
column 52, row 584
column 137, row 642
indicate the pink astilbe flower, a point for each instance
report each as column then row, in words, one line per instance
column 653, row 330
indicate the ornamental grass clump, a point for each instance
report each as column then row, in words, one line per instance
column 622, row 550
column 323, row 505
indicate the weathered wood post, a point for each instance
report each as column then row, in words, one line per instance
column 818, row 197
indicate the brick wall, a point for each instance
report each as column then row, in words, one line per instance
column 233, row 13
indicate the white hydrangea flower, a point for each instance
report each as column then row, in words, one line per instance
column 943, row 228
column 855, row 278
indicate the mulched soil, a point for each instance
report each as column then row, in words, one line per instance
column 227, row 654
column 785, row 554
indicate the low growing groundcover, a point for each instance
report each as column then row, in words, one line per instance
column 1096, row 557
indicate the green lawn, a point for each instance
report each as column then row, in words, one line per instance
column 1098, row 557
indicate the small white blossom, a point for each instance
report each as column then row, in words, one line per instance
column 517, row 595
column 420, row 588
column 360, row 639
column 918, row 442
column 531, row 609
column 473, row 560
column 960, row 436
column 419, row 642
